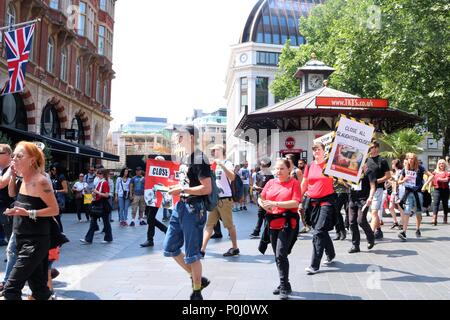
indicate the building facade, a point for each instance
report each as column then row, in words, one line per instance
column 254, row 62
column 67, row 96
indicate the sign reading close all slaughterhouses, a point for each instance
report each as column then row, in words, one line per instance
column 160, row 175
column 350, row 150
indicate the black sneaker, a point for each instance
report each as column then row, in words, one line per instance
column 231, row 252
column 378, row 235
column 205, row 283
column 354, row 249
column 343, row 235
column 132, row 224
column 394, row 226
column 402, row 235
column 148, row 243
column 142, row 223
column 278, row 290
column 245, row 208
column 216, row 236
column 418, row 233
column 196, row 295
column 254, row 235
column 371, row 245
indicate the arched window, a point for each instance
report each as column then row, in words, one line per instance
column 10, row 15
column 50, row 125
column 78, row 74
column 50, row 55
column 64, row 59
column 77, row 125
column 12, row 112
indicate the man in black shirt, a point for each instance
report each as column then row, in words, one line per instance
column 361, row 197
column 189, row 215
column 378, row 167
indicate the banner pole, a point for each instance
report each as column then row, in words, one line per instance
column 20, row 24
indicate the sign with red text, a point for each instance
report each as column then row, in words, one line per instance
column 352, row 102
column 350, row 150
column 160, row 175
column 290, row 143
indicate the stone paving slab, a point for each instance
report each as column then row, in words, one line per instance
column 418, row 269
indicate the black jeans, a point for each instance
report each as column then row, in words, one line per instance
column 152, row 222
column 438, row 196
column 261, row 216
column 321, row 239
column 94, row 227
column 359, row 218
column 31, row 266
column 80, row 208
column 341, row 201
column 6, row 225
column 280, row 240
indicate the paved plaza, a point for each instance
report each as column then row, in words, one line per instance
column 417, row 269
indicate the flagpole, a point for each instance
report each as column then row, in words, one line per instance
column 20, row 24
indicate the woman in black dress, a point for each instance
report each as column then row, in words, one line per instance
column 35, row 205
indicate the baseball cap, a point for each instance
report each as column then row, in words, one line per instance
column 138, row 168
column 217, row 146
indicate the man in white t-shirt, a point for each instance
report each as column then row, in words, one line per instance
column 224, row 176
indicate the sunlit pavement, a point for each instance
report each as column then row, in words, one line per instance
column 416, row 269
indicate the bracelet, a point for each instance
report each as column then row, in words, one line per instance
column 32, row 214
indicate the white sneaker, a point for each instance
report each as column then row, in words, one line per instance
column 310, row 270
column 327, row 262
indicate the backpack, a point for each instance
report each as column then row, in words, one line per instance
column 237, row 188
column 212, row 199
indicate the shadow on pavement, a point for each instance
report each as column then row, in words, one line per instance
column 77, row 295
column 320, row 296
column 395, row 253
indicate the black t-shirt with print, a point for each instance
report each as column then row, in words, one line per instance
column 199, row 168
column 378, row 166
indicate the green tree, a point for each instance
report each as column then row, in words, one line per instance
column 395, row 49
column 401, row 142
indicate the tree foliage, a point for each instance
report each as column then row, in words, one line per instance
column 394, row 49
column 401, row 142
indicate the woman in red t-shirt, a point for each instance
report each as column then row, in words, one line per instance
column 100, row 193
column 319, row 208
column 440, row 178
column 280, row 198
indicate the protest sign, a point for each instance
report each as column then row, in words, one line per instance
column 160, row 175
column 350, row 150
column 327, row 141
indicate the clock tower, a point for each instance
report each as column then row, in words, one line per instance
column 313, row 74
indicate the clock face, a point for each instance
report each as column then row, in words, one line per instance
column 243, row 57
column 315, row 81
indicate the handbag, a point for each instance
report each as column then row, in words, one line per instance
column 57, row 238
column 87, row 198
column 96, row 209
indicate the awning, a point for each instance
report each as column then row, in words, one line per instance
column 58, row 145
column 54, row 144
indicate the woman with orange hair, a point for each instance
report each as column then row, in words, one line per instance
column 35, row 205
column 412, row 179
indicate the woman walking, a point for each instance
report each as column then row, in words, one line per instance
column 280, row 198
column 123, row 196
column 319, row 206
column 100, row 195
column 397, row 193
column 440, row 178
column 35, row 205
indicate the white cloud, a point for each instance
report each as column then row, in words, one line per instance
column 172, row 56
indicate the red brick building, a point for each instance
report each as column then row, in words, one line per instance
column 66, row 100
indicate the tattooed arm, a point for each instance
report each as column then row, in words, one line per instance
column 45, row 192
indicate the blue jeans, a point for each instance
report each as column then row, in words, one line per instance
column 186, row 227
column 124, row 204
column 11, row 255
column 167, row 213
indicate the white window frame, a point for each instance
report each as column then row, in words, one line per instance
column 98, row 98
column 88, row 82
column 11, row 15
column 64, row 63
column 101, row 45
column 78, row 74
column 50, row 55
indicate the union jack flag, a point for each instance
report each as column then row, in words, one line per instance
column 18, row 46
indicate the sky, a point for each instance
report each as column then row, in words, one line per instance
column 172, row 56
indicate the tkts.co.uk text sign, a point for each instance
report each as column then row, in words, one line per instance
column 352, row 102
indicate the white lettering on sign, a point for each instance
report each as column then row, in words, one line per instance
column 159, row 172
